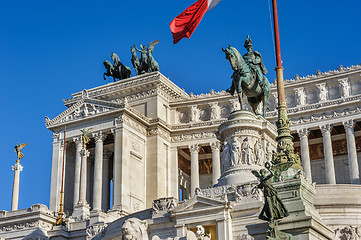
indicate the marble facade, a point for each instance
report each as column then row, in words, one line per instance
column 152, row 141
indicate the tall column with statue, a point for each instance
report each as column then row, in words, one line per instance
column 17, row 168
column 82, row 208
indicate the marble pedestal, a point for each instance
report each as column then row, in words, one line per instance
column 304, row 221
column 81, row 212
column 247, row 141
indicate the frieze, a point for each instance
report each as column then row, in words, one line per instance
column 233, row 193
column 134, row 125
column 96, row 231
column 159, row 132
column 324, row 116
column 27, row 225
column 143, row 94
column 193, row 136
column 348, row 232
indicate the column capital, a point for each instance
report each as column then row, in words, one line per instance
column 325, row 128
column 215, row 145
column 99, row 136
column 77, row 140
column 303, row 132
column 84, row 153
column 193, row 148
column 348, row 124
column 17, row 167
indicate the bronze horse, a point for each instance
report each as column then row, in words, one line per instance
column 245, row 81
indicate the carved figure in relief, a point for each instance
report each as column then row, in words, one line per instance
column 135, row 229
column 18, row 148
column 235, row 152
column 194, row 113
column 348, row 233
column 300, row 96
column 268, row 152
column 247, row 152
column 201, row 234
column 345, row 87
column 225, row 156
column 259, row 153
column 322, row 92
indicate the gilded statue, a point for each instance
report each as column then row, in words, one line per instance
column 18, row 148
column 85, row 136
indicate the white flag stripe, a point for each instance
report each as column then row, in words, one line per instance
column 212, row 4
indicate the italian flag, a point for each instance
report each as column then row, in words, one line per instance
column 185, row 23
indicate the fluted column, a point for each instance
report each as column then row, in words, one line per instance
column 216, row 162
column 305, row 152
column 98, row 170
column 327, row 149
column 194, row 149
column 79, row 146
column 352, row 152
column 84, row 157
column 17, row 168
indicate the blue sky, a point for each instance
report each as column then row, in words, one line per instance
column 50, row 49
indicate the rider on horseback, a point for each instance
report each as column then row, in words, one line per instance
column 254, row 62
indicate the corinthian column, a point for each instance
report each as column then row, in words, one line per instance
column 327, row 150
column 17, row 168
column 352, row 152
column 194, row 149
column 305, row 152
column 216, row 162
column 84, row 157
column 98, row 170
column 79, row 146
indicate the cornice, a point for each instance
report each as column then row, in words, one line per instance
column 320, row 76
column 131, row 85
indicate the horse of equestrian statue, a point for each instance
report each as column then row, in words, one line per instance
column 247, row 78
column 121, row 70
column 135, row 61
column 110, row 70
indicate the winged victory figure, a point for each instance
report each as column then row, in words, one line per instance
column 85, row 136
column 18, row 147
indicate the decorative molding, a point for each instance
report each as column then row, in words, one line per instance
column 193, row 136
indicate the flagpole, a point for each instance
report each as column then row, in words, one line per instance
column 60, row 220
column 285, row 149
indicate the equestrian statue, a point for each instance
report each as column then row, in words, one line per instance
column 248, row 76
column 117, row 70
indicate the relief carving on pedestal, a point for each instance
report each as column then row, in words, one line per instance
column 348, row 233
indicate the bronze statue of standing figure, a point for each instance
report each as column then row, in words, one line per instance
column 273, row 209
column 248, row 76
